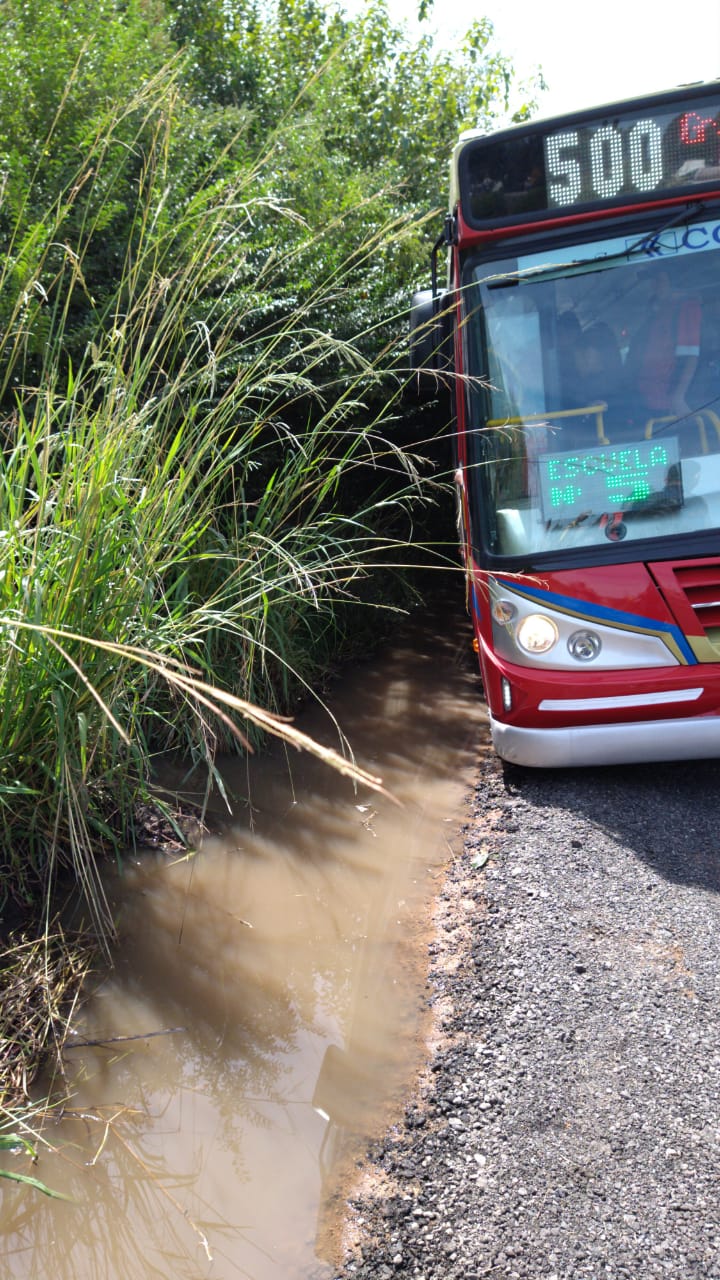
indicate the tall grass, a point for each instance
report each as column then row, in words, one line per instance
column 183, row 512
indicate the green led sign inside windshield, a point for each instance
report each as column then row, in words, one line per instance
column 596, row 482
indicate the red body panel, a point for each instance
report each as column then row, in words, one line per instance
column 469, row 236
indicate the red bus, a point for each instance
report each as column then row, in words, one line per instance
column 581, row 328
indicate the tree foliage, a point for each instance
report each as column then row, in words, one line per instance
column 345, row 122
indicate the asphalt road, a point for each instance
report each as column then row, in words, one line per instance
column 568, row 1124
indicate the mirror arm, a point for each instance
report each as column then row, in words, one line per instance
column 447, row 237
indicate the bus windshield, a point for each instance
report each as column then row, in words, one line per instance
column 594, row 391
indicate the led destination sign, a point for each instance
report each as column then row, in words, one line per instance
column 634, row 152
column 631, row 156
column 598, row 482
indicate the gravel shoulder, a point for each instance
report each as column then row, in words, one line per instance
column 568, row 1122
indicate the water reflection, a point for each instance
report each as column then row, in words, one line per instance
column 291, row 951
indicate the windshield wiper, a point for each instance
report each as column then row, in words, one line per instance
column 645, row 242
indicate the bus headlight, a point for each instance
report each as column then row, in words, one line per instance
column 584, row 645
column 536, row 633
column 504, row 611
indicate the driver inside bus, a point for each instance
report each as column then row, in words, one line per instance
column 664, row 353
column 589, row 365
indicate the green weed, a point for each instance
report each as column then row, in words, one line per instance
column 185, row 514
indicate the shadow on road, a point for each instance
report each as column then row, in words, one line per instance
column 669, row 814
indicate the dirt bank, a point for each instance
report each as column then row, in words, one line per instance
column 567, row 1124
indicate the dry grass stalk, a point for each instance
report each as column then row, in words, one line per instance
column 40, row 980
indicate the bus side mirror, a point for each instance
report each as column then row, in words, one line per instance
column 431, row 341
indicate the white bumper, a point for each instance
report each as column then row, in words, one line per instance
column 634, row 743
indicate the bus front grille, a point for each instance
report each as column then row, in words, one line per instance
column 700, row 583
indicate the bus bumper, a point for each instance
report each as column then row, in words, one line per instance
column 641, row 742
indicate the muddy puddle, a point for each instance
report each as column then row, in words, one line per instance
column 281, row 974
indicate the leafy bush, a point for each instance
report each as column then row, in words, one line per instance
column 162, row 530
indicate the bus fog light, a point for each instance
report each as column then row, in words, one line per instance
column 506, row 694
column 536, row 633
column 584, row 646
